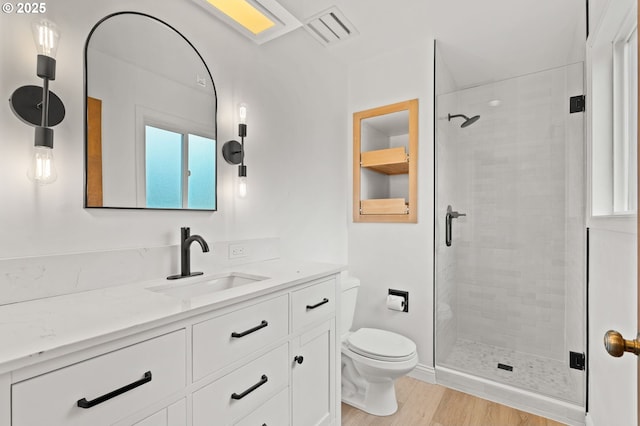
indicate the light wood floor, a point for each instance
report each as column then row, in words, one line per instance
column 424, row 404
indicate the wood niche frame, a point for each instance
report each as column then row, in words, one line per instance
column 387, row 161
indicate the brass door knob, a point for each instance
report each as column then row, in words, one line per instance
column 616, row 345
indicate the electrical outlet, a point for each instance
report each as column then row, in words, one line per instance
column 237, row 250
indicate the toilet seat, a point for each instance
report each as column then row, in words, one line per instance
column 381, row 345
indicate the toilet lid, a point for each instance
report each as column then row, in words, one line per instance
column 381, row 344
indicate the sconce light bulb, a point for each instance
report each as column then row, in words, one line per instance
column 46, row 36
column 242, row 113
column 242, row 186
column 42, row 169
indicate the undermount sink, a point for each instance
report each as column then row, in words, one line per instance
column 205, row 285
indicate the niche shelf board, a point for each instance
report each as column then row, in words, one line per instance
column 390, row 161
column 384, row 206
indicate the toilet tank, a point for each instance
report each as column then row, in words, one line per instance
column 349, row 287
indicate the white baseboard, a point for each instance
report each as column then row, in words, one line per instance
column 424, row 373
column 588, row 420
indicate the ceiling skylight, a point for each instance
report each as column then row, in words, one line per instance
column 244, row 14
column 259, row 20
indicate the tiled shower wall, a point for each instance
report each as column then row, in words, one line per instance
column 514, row 276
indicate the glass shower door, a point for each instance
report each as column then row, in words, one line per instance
column 510, row 274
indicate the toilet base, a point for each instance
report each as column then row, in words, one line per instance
column 378, row 399
column 368, row 383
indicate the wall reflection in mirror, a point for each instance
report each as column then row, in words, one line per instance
column 150, row 118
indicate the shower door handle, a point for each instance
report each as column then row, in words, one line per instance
column 450, row 215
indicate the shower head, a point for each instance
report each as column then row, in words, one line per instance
column 467, row 121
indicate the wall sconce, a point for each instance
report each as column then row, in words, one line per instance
column 39, row 107
column 233, row 151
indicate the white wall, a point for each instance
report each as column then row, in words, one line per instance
column 387, row 255
column 297, row 131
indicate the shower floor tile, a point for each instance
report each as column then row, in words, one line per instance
column 533, row 373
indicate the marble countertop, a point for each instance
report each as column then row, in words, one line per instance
column 42, row 329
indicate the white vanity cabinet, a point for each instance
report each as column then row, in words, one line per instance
column 303, row 366
column 270, row 359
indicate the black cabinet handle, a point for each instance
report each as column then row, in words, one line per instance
column 262, row 381
column 299, row 359
column 83, row 403
column 263, row 324
column 325, row 300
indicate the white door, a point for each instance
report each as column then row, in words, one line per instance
column 613, row 287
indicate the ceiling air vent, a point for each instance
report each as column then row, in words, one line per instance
column 330, row 27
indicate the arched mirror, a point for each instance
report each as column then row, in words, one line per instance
column 150, row 117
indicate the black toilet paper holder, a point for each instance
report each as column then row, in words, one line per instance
column 404, row 295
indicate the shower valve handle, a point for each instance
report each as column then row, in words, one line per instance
column 450, row 215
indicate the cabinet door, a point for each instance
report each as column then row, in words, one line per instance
column 314, row 376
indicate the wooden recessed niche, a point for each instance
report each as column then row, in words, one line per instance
column 385, row 163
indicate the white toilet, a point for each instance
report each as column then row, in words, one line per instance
column 372, row 359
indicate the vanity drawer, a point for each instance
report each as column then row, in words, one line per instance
column 239, row 393
column 313, row 303
column 173, row 415
column 154, row 369
column 274, row 412
column 253, row 327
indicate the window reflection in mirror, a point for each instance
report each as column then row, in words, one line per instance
column 178, row 170
column 151, row 118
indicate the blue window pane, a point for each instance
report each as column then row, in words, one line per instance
column 163, row 162
column 202, row 173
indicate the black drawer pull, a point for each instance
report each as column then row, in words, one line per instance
column 299, row 359
column 83, row 403
column 325, row 300
column 262, row 381
column 263, row 324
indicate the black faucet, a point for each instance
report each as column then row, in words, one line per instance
column 185, row 253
